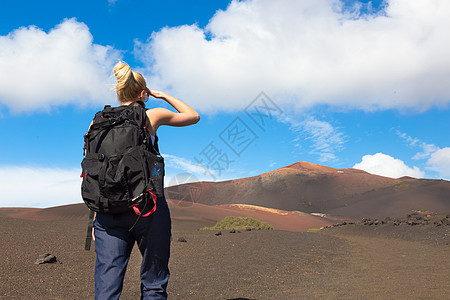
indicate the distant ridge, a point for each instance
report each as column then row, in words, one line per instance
column 296, row 197
column 189, row 214
column 308, row 187
column 64, row 212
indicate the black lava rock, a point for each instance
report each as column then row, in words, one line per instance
column 46, row 258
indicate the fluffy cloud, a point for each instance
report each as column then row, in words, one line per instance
column 306, row 53
column 39, row 187
column 440, row 162
column 385, row 165
column 40, row 70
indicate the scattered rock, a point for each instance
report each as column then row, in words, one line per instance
column 218, row 233
column 233, row 231
column 46, row 258
column 412, row 219
column 182, row 240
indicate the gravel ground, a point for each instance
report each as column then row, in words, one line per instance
column 347, row 262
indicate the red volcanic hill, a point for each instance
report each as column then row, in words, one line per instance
column 308, row 187
column 285, row 198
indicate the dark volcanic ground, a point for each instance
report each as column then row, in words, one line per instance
column 346, row 262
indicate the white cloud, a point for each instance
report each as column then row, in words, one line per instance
column 388, row 166
column 183, row 164
column 40, row 70
column 183, row 169
column 48, row 187
column 440, row 162
column 325, row 139
column 307, row 53
column 191, row 170
column 427, row 149
column 438, row 159
column 39, row 187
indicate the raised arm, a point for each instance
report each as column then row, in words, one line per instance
column 185, row 116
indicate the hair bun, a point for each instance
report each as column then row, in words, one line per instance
column 122, row 71
column 129, row 83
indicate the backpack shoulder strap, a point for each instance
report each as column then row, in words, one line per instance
column 155, row 145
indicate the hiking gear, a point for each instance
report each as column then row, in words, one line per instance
column 114, row 242
column 122, row 169
column 87, row 245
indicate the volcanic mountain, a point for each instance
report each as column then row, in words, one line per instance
column 293, row 198
column 310, row 188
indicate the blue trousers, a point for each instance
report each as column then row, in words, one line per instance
column 113, row 245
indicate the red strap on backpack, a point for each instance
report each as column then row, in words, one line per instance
column 138, row 212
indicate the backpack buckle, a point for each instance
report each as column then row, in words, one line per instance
column 137, row 198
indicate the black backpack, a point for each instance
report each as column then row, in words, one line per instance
column 122, row 170
column 121, row 167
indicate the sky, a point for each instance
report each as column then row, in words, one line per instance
column 340, row 83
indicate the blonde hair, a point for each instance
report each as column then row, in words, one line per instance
column 129, row 83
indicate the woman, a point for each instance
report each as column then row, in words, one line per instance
column 113, row 240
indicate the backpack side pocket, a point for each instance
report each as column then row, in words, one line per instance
column 155, row 165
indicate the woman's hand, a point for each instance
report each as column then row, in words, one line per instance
column 160, row 116
column 157, row 94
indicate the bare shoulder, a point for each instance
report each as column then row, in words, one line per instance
column 151, row 117
column 155, row 115
column 157, row 111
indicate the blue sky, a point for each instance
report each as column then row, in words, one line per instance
column 339, row 83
